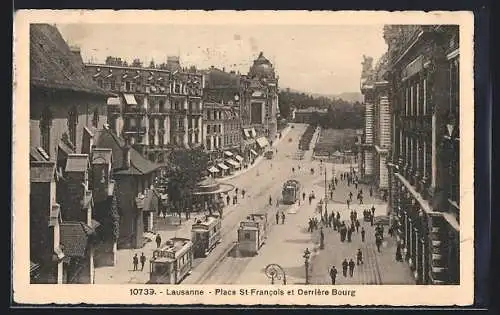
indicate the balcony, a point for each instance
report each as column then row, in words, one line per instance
column 195, row 112
column 134, row 129
column 134, row 110
column 155, row 111
column 179, row 129
column 179, row 111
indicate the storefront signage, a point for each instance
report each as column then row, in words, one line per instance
column 413, row 67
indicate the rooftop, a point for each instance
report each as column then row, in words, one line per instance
column 54, row 66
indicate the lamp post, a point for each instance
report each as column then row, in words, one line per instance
column 307, row 255
column 275, row 272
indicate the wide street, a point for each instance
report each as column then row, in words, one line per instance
column 286, row 242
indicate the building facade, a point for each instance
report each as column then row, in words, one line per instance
column 66, row 109
column 424, row 164
column 259, row 100
column 156, row 107
column 376, row 141
column 308, row 115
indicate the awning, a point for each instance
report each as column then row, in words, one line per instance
column 213, row 169
column 228, row 153
column 223, row 166
column 113, row 101
column 239, row 158
column 253, row 133
column 233, row 163
column 130, row 99
column 253, row 152
column 247, row 133
column 262, row 142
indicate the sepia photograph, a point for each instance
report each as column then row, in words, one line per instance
column 321, row 156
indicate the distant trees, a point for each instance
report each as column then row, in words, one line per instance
column 341, row 114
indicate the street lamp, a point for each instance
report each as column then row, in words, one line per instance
column 275, row 272
column 307, row 255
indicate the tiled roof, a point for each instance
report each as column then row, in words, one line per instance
column 139, row 165
column 53, row 65
column 77, row 163
column 75, row 238
column 42, row 171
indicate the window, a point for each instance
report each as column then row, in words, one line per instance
column 99, row 83
column 45, row 124
column 72, row 123
column 95, row 118
column 113, row 84
column 127, row 86
column 246, row 236
column 151, row 140
column 161, row 105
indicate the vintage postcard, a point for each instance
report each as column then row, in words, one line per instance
column 243, row 158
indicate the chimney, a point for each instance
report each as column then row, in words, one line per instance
column 126, row 156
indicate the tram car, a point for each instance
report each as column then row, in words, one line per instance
column 269, row 154
column 291, row 191
column 252, row 234
column 205, row 235
column 172, row 262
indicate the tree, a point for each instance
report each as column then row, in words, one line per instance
column 186, row 168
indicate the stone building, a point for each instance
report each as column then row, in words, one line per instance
column 260, row 100
column 376, row 141
column 156, row 107
column 134, row 177
column 66, row 109
column 423, row 75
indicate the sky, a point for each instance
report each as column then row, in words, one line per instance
column 323, row 59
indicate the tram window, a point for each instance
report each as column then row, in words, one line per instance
column 247, row 236
column 160, row 268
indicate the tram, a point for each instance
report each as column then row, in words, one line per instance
column 252, row 233
column 172, row 262
column 205, row 235
column 269, row 154
column 291, row 191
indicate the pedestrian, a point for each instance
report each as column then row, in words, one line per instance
column 356, row 185
column 158, row 240
column 236, row 190
column 348, row 202
column 363, row 234
column 359, row 257
column 228, row 199
column 310, row 199
column 371, row 220
column 373, row 210
column 351, row 267
column 135, row 262
column 235, row 199
column 399, row 257
column 345, row 265
column 350, row 195
column 360, row 200
column 357, row 226
column 242, row 193
column 270, row 200
column 333, row 274
column 143, row 261
column 277, row 217
column 371, row 192
column 282, row 217
column 331, row 194
column 293, row 170
column 338, row 216
column 303, row 196
column 378, row 242
column 349, row 235
column 277, row 203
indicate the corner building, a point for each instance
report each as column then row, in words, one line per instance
column 424, row 162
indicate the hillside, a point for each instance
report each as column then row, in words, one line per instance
column 351, row 97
